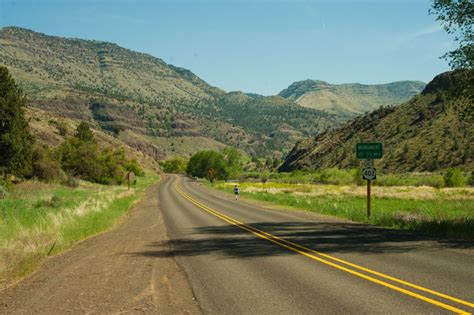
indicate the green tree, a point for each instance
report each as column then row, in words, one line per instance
column 135, row 167
column 84, row 132
column 87, row 161
column 457, row 18
column 233, row 159
column 81, row 159
column 174, row 165
column 201, row 162
column 15, row 139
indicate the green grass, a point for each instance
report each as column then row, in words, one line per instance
column 37, row 220
column 354, row 176
column 443, row 215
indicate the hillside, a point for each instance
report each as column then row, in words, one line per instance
column 157, row 108
column 44, row 126
column 434, row 130
column 350, row 99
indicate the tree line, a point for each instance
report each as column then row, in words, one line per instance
column 78, row 156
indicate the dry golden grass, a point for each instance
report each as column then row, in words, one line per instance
column 398, row 192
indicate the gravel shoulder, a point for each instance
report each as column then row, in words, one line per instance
column 103, row 274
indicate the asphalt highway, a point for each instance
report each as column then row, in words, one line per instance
column 242, row 257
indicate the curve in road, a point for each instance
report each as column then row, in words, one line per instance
column 191, row 210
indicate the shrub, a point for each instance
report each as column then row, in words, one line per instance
column 85, row 160
column 46, row 166
column 84, row 132
column 453, row 178
column 60, row 126
column 134, row 166
column 264, row 176
column 201, row 162
column 433, row 180
column 389, row 180
column 357, row 176
column 52, row 202
column 47, row 170
column 3, row 191
column 174, row 165
column 81, row 159
column 336, row 176
column 70, row 182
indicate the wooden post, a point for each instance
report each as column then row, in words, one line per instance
column 128, row 179
column 368, row 200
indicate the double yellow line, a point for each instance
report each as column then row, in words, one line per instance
column 323, row 258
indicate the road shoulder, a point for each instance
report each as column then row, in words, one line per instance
column 105, row 273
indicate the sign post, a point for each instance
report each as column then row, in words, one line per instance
column 130, row 177
column 368, row 200
column 368, row 151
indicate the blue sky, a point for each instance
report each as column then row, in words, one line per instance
column 258, row 46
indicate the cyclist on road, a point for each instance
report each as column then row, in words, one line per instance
column 236, row 192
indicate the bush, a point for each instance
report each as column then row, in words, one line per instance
column 60, row 126
column 336, row 176
column 453, row 178
column 47, row 170
column 203, row 161
column 389, row 180
column 84, row 132
column 264, row 176
column 70, row 182
column 134, row 166
column 433, row 180
column 3, row 191
column 175, row 165
column 46, row 166
column 357, row 176
column 81, row 159
column 87, row 161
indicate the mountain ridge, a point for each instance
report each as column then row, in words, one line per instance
column 154, row 106
column 434, row 130
column 350, row 98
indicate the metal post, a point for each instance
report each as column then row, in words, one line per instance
column 368, row 199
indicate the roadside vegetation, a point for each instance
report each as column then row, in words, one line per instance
column 79, row 156
column 52, row 197
column 446, row 212
column 39, row 219
column 439, row 203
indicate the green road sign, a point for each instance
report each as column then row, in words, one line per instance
column 369, row 150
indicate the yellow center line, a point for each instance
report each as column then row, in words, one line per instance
column 445, row 296
column 311, row 254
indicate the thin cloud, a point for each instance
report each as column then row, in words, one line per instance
column 398, row 41
column 435, row 28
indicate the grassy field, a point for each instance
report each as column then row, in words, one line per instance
column 37, row 219
column 447, row 212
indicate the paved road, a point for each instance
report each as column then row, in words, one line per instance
column 243, row 258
